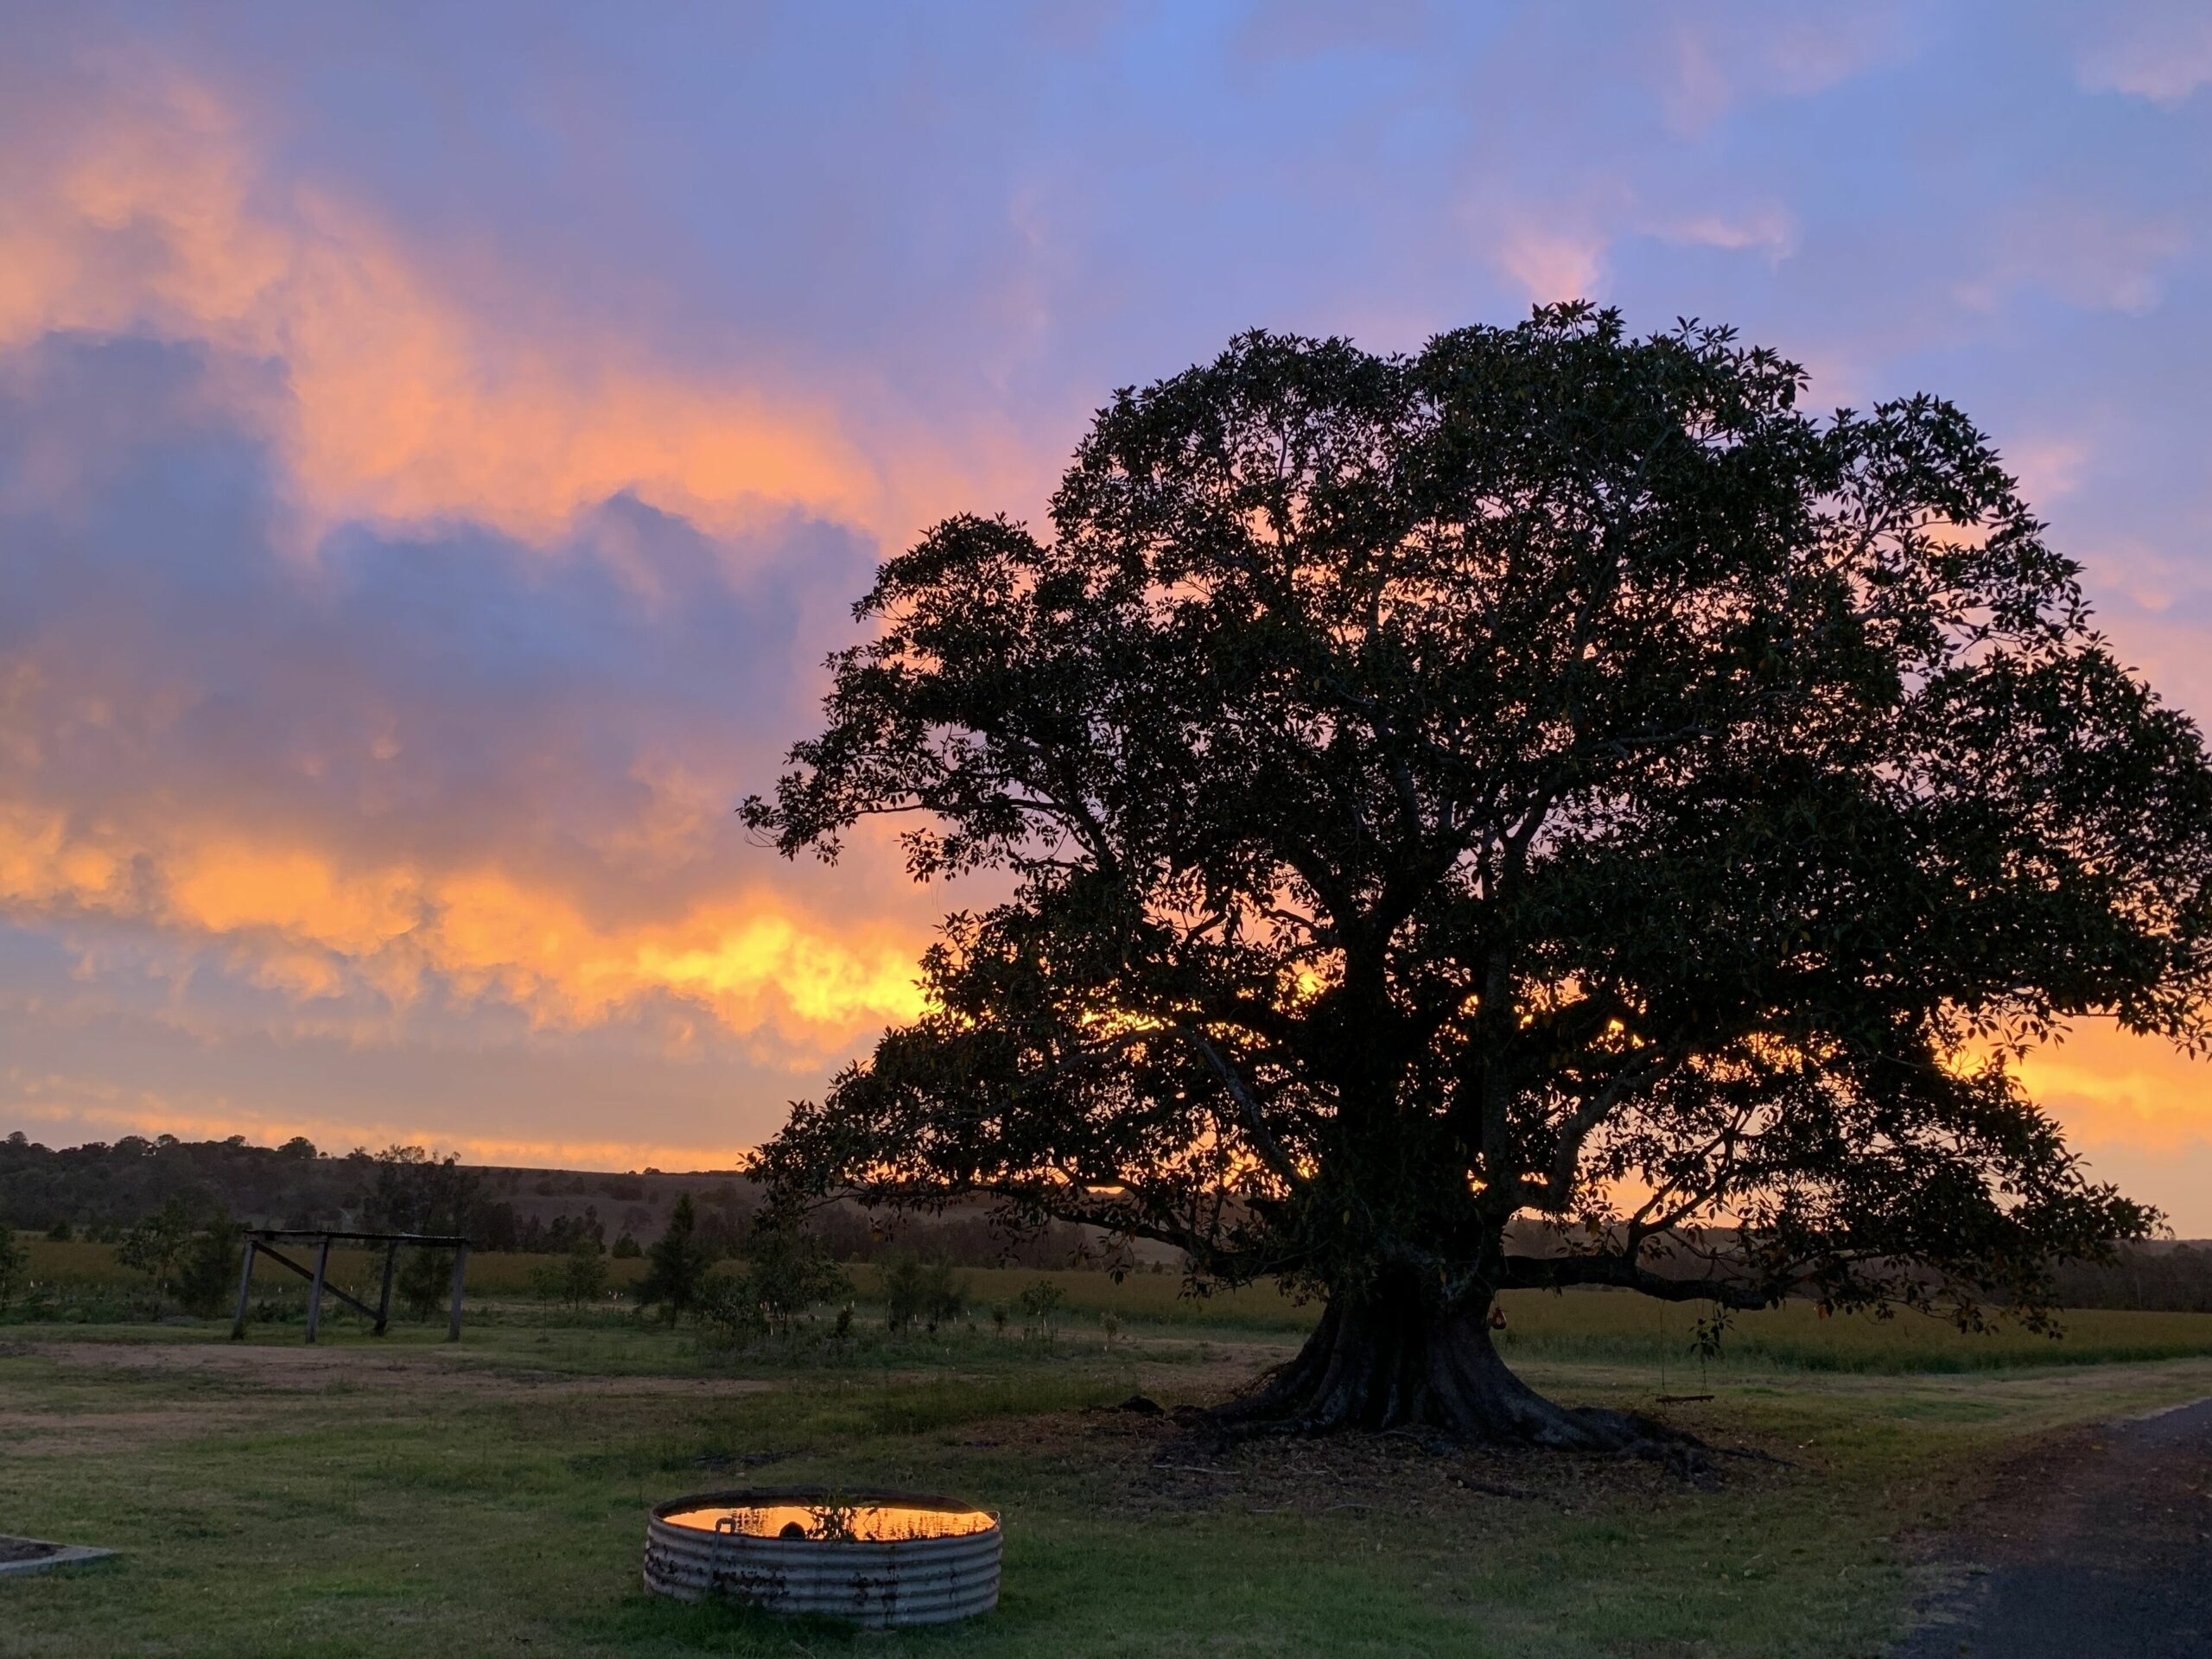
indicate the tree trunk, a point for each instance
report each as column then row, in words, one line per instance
column 1391, row 1357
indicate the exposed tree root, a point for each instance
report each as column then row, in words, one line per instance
column 1437, row 1374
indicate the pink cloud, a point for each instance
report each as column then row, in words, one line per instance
column 1707, row 68
column 1771, row 231
column 1550, row 262
column 2163, row 56
column 2090, row 255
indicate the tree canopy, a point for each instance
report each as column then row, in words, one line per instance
column 1547, row 809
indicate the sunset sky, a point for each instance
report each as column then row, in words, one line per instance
column 438, row 447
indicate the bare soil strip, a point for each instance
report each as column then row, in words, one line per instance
column 302, row 1367
column 2098, row 1543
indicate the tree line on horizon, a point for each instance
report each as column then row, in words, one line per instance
column 100, row 1190
column 170, row 1191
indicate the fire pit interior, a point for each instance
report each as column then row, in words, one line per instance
column 871, row 1523
column 880, row 1559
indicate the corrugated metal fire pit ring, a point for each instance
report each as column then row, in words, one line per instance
column 879, row 1559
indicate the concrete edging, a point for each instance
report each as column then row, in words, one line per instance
column 61, row 1556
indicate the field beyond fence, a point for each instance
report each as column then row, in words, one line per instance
column 84, row 1283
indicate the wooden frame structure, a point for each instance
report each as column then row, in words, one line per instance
column 262, row 1240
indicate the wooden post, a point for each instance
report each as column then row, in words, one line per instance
column 460, row 1272
column 245, row 1289
column 384, row 1300
column 315, row 1293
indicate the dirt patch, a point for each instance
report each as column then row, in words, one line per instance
column 2094, row 1542
column 303, row 1368
column 1159, row 1463
column 1207, row 1370
column 53, row 1433
column 544, row 1384
column 294, row 1366
column 26, row 1550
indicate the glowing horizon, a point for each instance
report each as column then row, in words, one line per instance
column 436, row 458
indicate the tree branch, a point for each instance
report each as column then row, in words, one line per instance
column 1255, row 1123
column 1560, row 1272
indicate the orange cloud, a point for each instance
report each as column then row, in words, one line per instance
column 44, row 865
column 228, row 887
column 151, row 213
column 404, row 402
column 2108, row 1087
column 304, row 922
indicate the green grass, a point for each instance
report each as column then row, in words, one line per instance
column 371, row 1498
column 1621, row 1325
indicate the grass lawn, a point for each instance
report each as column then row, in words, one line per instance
column 406, row 1497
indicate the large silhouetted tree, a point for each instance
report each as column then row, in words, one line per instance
column 1551, row 779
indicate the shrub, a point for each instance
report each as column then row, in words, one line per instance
column 1041, row 1304
column 15, row 1266
column 155, row 1247
column 677, row 1264
column 902, row 1290
column 424, row 1279
column 189, row 1249
column 207, row 1268
column 786, row 1271
column 927, row 1290
column 577, row 1276
column 729, row 1308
